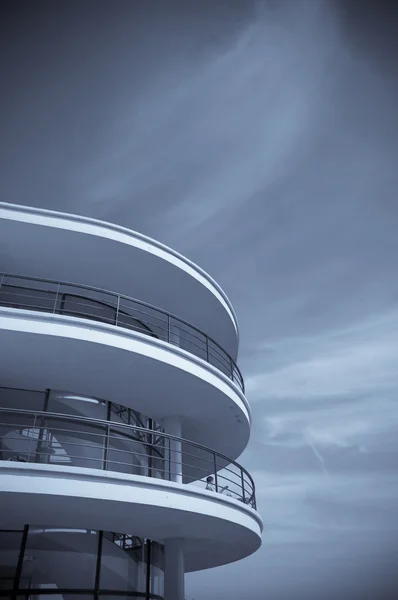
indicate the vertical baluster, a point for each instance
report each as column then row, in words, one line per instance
column 243, row 486
column 170, row 462
column 117, row 311
column 150, row 448
column 42, row 429
column 56, row 298
column 32, row 437
column 215, row 472
column 106, row 448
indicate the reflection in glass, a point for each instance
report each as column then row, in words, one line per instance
column 157, row 569
column 74, row 562
column 10, row 544
column 48, row 439
column 22, row 399
column 59, row 559
column 67, row 403
column 123, row 564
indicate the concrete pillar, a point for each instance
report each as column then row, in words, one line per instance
column 174, row 570
column 172, row 426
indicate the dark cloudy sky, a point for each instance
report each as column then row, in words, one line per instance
column 259, row 139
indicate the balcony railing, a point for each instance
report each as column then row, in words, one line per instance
column 77, row 441
column 87, row 302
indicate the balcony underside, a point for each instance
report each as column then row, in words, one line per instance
column 216, row 529
column 39, row 350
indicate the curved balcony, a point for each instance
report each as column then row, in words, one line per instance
column 75, row 441
column 95, row 304
column 50, row 244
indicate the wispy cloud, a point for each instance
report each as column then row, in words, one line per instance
column 262, row 145
column 357, row 360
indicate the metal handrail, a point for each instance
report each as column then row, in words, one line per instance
column 164, row 325
column 111, row 435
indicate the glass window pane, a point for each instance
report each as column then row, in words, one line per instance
column 10, row 544
column 18, row 292
column 123, row 566
column 88, row 304
column 22, row 399
column 71, row 442
column 127, row 416
column 157, row 569
column 53, row 555
column 126, row 452
column 16, row 443
column 68, row 403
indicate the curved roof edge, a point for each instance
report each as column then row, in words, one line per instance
column 127, row 236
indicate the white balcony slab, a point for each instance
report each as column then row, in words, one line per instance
column 52, row 245
column 40, row 350
column 215, row 529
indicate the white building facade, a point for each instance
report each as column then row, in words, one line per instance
column 122, row 414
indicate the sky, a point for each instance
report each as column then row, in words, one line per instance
column 259, row 138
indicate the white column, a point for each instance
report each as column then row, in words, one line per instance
column 174, row 570
column 172, row 426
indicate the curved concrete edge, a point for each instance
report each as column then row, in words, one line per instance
column 113, row 501
column 83, row 474
column 123, row 235
column 89, row 331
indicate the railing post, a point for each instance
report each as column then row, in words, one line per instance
column 207, row 348
column 106, row 448
column 56, row 298
column 215, row 472
column 170, row 467
column 41, row 428
column 1, row 280
column 168, row 329
column 149, row 447
column 117, row 310
column 232, row 368
column 243, row 486
column 32, row 438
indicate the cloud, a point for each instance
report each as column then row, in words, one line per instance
column 355, row 361
column 263, row 146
